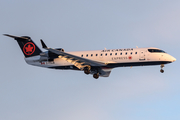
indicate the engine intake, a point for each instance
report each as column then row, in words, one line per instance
column 60, row 49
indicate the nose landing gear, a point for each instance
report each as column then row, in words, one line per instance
column 162, row 71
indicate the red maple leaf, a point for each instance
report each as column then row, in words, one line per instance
column 130, row 57
column 29, row 48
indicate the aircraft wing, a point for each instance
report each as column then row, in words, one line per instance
column 79, row 62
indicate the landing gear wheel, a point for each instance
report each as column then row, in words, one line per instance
column 86, row 71
column 162, row 71
column 96, row 75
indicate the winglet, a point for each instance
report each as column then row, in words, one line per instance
column 43, row 44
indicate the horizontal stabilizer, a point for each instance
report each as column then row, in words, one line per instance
column 16, row 37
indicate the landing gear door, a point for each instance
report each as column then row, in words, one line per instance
column 142, row 55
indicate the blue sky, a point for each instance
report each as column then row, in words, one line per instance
column 139, row 93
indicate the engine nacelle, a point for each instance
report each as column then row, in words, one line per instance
column 60, row 49
column 44, row 56
column 49, row 55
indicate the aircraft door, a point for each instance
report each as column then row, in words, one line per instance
column 142, row 55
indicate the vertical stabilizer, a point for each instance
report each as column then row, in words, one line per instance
column 28, row 47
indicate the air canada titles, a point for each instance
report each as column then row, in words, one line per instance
column 116, row 50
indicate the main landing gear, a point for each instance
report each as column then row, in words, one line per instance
column 162, row 71
column 87, row 70
column 96, row 75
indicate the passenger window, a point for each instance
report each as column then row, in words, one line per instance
column 81, row 55
column 115, row 53
column 136, row 53
column 96, row 54
column 101, row 54
column 131, row 53
column 91, row 55
column 87, row 55
column 106, row 54
column 110, row 53
column 126, row 53
column 120, row 53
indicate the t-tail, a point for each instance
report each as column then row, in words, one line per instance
column 28, row 47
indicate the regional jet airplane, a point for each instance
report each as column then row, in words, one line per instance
column 98, row 63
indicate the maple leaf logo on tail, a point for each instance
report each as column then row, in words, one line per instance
column 29, row 48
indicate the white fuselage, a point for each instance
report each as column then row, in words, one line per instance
column 113, row 58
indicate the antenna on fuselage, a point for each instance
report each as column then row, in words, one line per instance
column 136, row 46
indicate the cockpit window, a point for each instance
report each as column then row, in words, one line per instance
column 156, row 51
